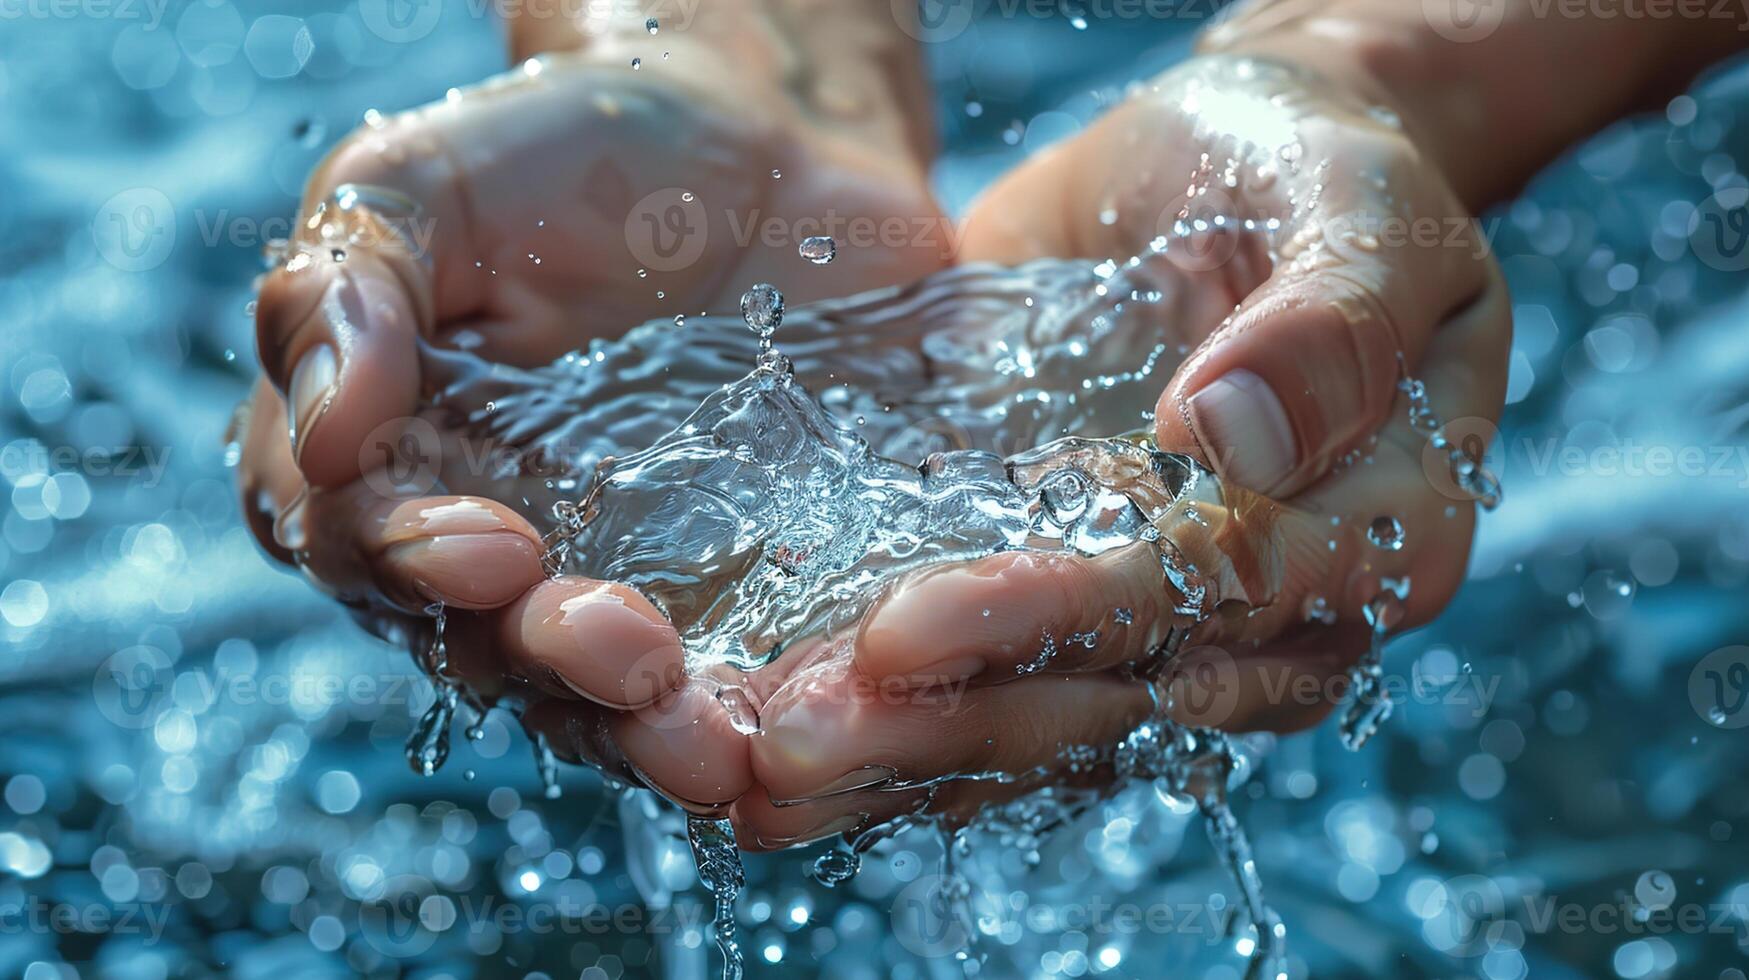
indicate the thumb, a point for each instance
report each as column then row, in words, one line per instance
column 1308, row 368
column 338, row 322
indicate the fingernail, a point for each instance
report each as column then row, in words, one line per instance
column 472, row 571
column 1244, row 429
column 600, row 645
column 434, row 517
column 288, row 528
column 312, row 382
column 864, row 778
column 850, row 823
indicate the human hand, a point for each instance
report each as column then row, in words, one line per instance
column 505, row 223
column 1343, row 265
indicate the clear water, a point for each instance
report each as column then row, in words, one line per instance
column 1564, row 734
column 761, row 521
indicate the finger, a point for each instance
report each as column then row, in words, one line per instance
column 465, row 552
column 596, row 640
column 1308, row 368
column 687, row 746
column 577, row 732
column 1018, row 613
column 763, row 825
column 1408, row 480
column 268, row 480
column 828, row 731
column 337, row 329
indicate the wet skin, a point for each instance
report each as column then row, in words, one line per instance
column 1296, row 366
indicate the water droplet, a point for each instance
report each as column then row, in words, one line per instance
column 743, row 717
column 762, row 308
column 1386, row 532
column 777, row 175
column 651, row 25
column 818, row 249
column 837, row 866
column 637, row 63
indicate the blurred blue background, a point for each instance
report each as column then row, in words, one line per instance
column 201, row 758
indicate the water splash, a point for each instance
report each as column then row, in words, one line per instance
column 769, row 514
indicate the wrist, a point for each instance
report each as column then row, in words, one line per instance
column 1493, row 103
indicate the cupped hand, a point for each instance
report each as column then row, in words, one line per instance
column 572, row 198
column 1336, row 264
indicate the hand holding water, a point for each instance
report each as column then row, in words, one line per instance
column 504, row 221
column 1298, row 210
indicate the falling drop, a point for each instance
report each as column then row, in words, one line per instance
column 818, row 249
column 637, row 63
column 762, row 308
column 1386, row 532
column 776, row 174
column 547, row 766
column 837, row 866
column 651, row 25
